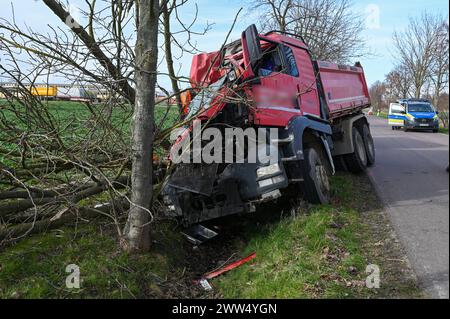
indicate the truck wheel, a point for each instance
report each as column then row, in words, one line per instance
column 316, row 172
column 357, row 161
column 369, row 145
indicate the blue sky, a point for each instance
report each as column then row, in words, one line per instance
column 393, row 15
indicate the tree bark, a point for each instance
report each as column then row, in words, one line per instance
column 137, row 234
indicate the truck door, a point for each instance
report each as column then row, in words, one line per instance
column 307, row 83
column 276, row 97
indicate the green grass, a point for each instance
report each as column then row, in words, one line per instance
column 443, row 130
column 76, row 123
column 320, row 253
column 35, row 267
column 383, row 114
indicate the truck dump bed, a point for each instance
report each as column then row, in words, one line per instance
column 345, row 88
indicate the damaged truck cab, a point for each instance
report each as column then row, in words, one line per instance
column 269, row 83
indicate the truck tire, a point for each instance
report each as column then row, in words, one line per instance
column 316, row 171
column 369, row 145
column 357, row 161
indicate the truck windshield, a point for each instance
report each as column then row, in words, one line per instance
column 203, row 99
column 420, row 107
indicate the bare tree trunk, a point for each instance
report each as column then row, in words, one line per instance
column 137, row 233
column 168, row 48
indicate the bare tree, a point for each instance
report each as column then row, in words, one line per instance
column 398, row 84
column 50, row 164
column 443, row 106
column 139, row 217
column 415, row 48
column 330, row 27
column 439, row 73
column 167, row 10
column 377, row 94
column 275, row 13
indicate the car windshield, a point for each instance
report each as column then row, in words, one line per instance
column 420, row 107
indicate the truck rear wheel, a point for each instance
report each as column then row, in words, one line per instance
column 369, row 145
column 316, row 172
column 357, row 161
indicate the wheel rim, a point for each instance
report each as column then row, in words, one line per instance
column 360, row 148
column 322, row 178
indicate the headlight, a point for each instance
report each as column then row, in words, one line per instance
column 268, row 170
column 271, row 181
column 410, row 117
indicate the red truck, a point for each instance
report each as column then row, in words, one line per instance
column 270, row 81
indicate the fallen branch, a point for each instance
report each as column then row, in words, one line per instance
column 15, row 232
column 22, row 205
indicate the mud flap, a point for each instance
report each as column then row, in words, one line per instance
column 328, row 151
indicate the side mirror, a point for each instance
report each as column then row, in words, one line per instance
column 252, row 46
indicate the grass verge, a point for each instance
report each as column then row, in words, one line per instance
column 302, row 252
column 36, row 267
column 323, row 252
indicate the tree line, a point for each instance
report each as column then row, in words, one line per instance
column 421, row 70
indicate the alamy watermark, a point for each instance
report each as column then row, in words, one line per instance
column 373, row 279
column 228, row 145
column 373, row 14
column 73, row 279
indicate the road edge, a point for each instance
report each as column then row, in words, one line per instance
column 387, row 210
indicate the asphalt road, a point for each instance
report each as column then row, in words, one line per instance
column 411, row 179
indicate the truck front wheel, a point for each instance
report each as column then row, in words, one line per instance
column 357, row 161
column 316, row 185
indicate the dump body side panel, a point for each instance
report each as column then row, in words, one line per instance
column 345, row 88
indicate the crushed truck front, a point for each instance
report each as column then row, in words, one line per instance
column 264, row 89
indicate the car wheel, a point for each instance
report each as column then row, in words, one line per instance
column 405, row 127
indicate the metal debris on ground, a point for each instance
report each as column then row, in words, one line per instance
column 199, row 234
column 229, row 267
column 216, row 273
column 205, row 284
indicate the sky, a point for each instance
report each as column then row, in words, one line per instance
column 382, row 17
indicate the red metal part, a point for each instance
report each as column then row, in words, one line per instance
column 229, row 267
column 205, row 69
